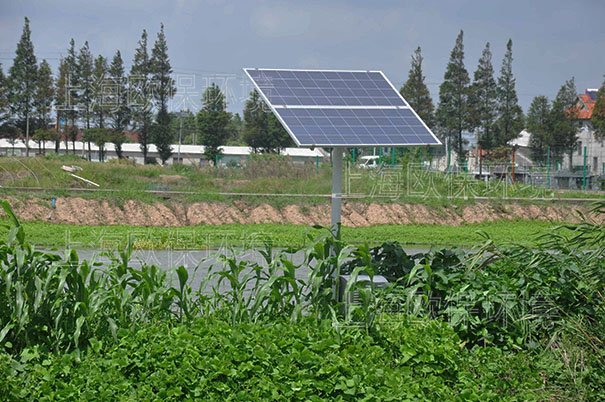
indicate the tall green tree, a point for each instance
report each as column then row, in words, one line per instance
column 43, row 102
column 71, row 86
column 162, row 135
column 598, row 114
column 483, row 100
column 564, row 120
column 510, row 115
column 64, row 105
column 4, row 104
column 86, row 84
column 236, row 130
column 99, row 136
column 163, row 90
column 213, row 122
column 119, row 113
column 140, row 102
column 262, row 130
column 453, row 116
column 23, row 75
column 163, row 84
column 539, row 126
column 101, row 96
column 415, row 91
column 45, row 95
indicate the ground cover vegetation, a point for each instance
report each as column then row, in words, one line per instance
column 44, row 234
column 498, row 323
column 262, row 174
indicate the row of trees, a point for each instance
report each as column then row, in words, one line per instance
column 489, row 106
column 97, row 96
column 554, row 125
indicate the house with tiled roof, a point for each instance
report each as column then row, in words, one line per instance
column 595, row 149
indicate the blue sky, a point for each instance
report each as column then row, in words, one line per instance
column 213, row 40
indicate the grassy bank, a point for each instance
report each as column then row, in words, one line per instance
column 263, row 174
column 44, row 234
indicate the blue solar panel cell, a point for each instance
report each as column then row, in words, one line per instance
column 354, row 127
column 329, row 88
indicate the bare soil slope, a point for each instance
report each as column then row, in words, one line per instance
column 354, row 214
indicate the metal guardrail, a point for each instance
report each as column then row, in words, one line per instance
column 168, row 193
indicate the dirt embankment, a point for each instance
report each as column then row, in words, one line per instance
column 354, row 214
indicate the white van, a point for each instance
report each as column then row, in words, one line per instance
column 369, row 162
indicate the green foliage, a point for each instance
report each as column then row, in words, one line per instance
column 262, row 131
column 563, row 118
column 212, row 360
column 416, row 93
column 4, row 104
column 483, row 100
column 141, row 73
column 45, row 94
column 163, row 135
column 100, row 136
column 86, row 82
column 159, row 64
column 74, row 329
column 22, row 79
column 539, row 127
column 598, row 113
column 453, row 110
column 100, row 107
column 510, row 115
column 213, row 121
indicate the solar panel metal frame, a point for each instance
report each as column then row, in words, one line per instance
column 274, row 109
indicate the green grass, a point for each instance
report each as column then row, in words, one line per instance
column 267, row 174
column 44, row 234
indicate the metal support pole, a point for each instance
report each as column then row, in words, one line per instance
column 27, row 136
column 178, row 154
column 548, row 167
column 336, row 188
column 380, row 155
column 317, row 161
column 513, row 177
column 393, row 156
column 449, row 154
column 584, row 172
column 354, row 154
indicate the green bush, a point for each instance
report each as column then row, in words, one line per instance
column 210, row 359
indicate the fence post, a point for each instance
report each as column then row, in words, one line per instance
column 584, row 172
column 317, row 161
column 393, row 151
column 380, row 155
column 548, row 167
column 354, row 154
column 513, row 178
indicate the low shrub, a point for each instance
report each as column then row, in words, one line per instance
column 210, row 359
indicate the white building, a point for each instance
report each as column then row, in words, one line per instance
column 595, row 149
column 189, row 154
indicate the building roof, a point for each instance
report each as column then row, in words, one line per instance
column 522, row 140
column 586, row 102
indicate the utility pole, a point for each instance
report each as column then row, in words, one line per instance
column 27, row 135
column 178, row 156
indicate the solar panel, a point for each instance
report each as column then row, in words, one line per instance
column 353, row 127
column 340, row 108
column 326, row 88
